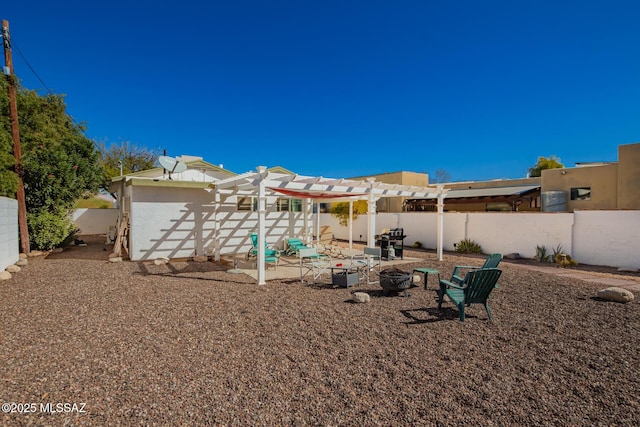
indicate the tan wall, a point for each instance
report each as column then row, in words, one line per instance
column 395, row 204
column 629, row 176
column 602, row 179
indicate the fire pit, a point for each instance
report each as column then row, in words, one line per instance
column 395, row 280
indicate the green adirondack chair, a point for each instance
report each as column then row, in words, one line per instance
column 474, row 289
column 492, row 261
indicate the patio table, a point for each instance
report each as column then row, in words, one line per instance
column 426, row 272
column 345, row 275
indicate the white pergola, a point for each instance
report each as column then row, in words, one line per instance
column 263, row 182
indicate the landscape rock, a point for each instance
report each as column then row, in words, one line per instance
column 416, row 278
column 23, row 255
column 161, row 261
column 201, row 258
column 115, row 259
column 361, row 297
column 35, row 253
column 22, row 262
column 57, row 250
column 13, row 269
column 615, row 294
column 5, row 275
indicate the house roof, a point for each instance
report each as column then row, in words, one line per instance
column 490, row 194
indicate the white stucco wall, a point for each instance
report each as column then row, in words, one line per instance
column 9, row 237
column 95, row 221
column 180, row 223
column 609, row 238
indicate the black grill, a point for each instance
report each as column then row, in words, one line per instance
column 394, row 238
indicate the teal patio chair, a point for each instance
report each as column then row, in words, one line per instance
column 294, row 245
column 253, row 252
column 492, row 261
column 474, row 289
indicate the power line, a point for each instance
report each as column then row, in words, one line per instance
column 15, row 47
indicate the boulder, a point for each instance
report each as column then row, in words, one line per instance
column 361, row 297
column 22, row 262
column 5, row 275
column 23, row 255
column 13, row 269
column 615, row 294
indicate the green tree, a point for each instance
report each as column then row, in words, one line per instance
column 133, row 158
column 340, row 210
column 551, row 162
column 59, row 162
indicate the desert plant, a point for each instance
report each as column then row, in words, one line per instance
column 468, row 246
column 556, row 251
column 542, row 255
column 417, row 245
column 565, row 260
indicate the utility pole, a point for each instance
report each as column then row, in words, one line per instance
column 13, row 115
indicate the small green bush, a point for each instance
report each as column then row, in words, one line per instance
column 417, row 245
column 49, row 229
column 542, row 255
column 564, row 260
column 468, row 246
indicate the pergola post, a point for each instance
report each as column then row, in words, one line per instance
column 371, row 215
column 216, row 225
column 262, row 211
column 350, row 224
column 307, row 220
column 440, row 236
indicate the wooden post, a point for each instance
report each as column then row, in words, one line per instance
column 15, row 133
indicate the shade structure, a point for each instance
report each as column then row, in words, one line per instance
column 263, row 182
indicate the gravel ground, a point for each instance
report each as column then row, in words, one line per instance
column 189, row 344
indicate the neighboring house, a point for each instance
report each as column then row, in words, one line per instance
column 588, row 186
column 598, row 186
column 396, row 204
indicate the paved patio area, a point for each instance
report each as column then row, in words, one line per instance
column 289, row 266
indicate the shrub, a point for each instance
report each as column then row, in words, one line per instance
column 542, row 255
column 417, row 245
column 49, row 229
column 468, row 246
column 564, row 260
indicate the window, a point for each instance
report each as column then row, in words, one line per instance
column 282, row 205
column 247, row 204
column 581, row 193
column 296, row 205
column 289, row 205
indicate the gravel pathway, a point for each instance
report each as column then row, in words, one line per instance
column 189, row 344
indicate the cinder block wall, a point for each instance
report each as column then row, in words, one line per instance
column 9, row 243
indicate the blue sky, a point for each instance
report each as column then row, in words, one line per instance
column 344, row 88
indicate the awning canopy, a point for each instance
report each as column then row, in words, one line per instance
column 487, row 195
